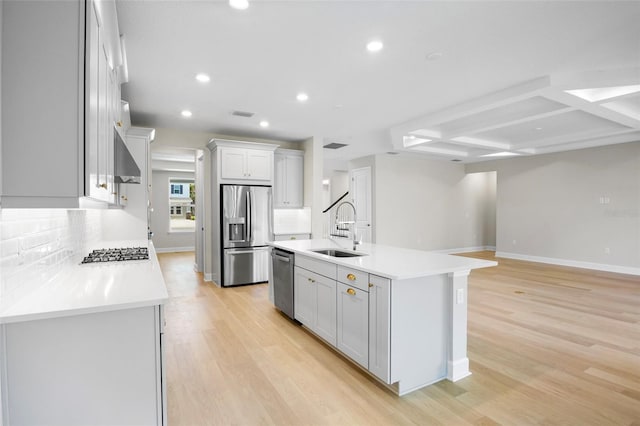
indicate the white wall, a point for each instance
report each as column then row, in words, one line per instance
column 339, row 185
column 164, row 239
column 430, row 204
column 548, row 206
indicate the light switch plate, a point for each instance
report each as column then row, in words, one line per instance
column 460, row 296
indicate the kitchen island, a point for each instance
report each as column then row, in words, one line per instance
column 85, row 347
column 400, row 314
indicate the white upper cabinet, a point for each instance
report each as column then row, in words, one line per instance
column 102, row 101
column 243, row 162
column 288, row 179
column 51, row 155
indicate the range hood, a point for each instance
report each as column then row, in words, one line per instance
column 126, row 170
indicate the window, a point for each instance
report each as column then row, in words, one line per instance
column 182, row 199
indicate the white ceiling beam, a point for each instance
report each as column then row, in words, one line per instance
column 596, row 79
column 478, row 143
column 591, row 108
column 573, row 138
column 440, row 151
column 494, row 100
column 625, row 138
column 473, row 130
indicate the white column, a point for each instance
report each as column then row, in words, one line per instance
column 313, row 172
column 457, row 362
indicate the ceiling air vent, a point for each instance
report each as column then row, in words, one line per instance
column 334, row 145
column 455, row 160
column 243, row 114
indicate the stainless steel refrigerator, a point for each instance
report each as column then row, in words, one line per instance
column 247, row 224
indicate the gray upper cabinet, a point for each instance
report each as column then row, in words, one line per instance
column 288, row 179
column 46, row 91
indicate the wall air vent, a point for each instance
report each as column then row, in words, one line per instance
column 334, row 145
column 243, row 114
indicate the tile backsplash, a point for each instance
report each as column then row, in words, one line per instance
column 36, row 244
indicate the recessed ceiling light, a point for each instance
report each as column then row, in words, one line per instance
column 538, row 128
column 264, row 123
column 186, row 113
column 302, row 97
column 203, row 78
column 239, row 4
column 434, row 56
column 375, row 46
column 338, row 106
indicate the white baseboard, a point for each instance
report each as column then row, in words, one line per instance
column 458, row 369
column 466, row 249
column 573, row 263
column 174, row 249
column 208, row 277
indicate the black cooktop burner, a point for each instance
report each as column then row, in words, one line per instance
column 117, row 255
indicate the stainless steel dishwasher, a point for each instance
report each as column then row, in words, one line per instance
column 282, row 263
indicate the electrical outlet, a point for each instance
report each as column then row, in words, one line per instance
column 460, row 296
column 514, row 242
column 607, row 250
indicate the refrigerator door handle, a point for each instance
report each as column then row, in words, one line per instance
column 234, row 252
column 249, row 221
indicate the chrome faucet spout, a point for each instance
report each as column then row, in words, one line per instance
column 353, row 223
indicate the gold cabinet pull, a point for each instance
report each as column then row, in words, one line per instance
column 311, row 280
column 351, row 291
column 119, row 123
column 351, row 277
column 370, row 285
column 103, row 185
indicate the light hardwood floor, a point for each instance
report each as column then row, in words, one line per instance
column 547, row 345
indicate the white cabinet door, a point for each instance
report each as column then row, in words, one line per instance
column 246, row 164
column 233, row 163
column 303, row 295
column 288, row 180
column 92, row 72
column 85, row 369
column 279, row 181
column 326, row 309
column 315, row 303
column 295, row 181
column 259, row 164
column 379, row 327
column 101, row 94
column 353, row 323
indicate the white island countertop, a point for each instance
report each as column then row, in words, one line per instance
column 391, row 262
column 92, row 288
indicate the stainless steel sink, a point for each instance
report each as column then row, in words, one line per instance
column 338, row 253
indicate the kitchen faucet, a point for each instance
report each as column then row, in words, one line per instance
column 346, row 222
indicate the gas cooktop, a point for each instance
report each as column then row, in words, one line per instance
column 117, row 255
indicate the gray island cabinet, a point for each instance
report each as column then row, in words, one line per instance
column 400, row 314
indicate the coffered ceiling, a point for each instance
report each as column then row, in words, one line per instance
column 471, row 77
column 548, row 114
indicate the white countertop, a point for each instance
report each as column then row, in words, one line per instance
column 92, row 288
column 390, row 262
